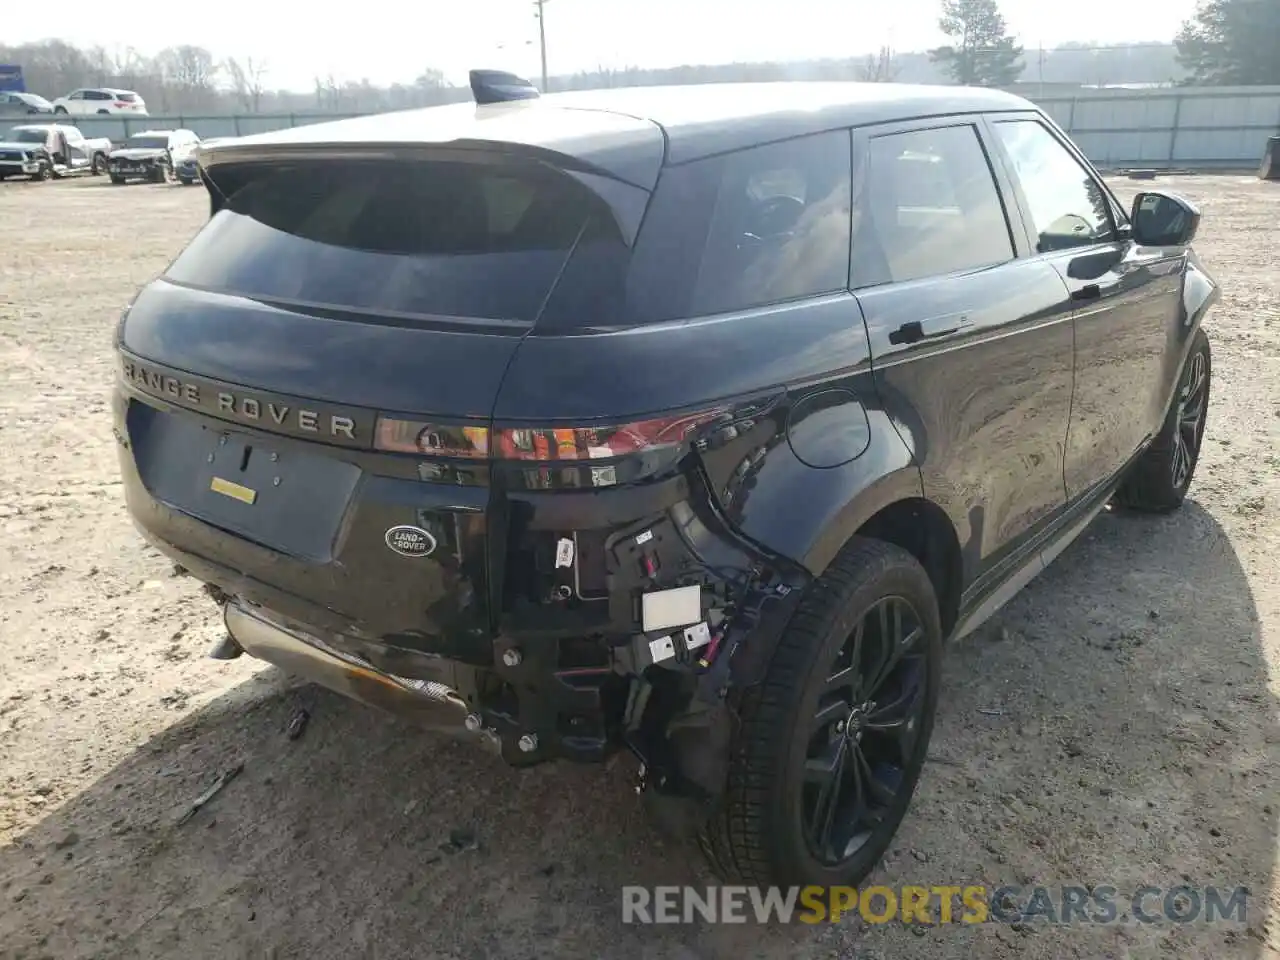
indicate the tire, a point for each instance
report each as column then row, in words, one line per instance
column 186, row 181
column 99, row 164
column 1159, row 480
column 60, row 109
column 759, row 836
column 160, row 175
column 118, row 181
column 104, row 113
column 45, row 172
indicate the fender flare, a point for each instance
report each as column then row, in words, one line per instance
column 808, row 514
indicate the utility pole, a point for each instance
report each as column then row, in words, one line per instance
column 542, row 39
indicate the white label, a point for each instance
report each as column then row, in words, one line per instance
column 662, row 649
column 644, row 537
column 665, row 609
column 564, row 553
column 699, row 635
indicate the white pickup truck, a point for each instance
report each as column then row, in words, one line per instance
column 44, row 150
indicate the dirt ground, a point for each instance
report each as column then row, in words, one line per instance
column 1116, row 724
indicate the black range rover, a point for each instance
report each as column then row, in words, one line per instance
column 690, row 421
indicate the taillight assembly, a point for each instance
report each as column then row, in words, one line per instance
column 556, row 445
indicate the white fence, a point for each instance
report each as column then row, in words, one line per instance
column 1181, row 127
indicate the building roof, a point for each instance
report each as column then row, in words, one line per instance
column 628, row 132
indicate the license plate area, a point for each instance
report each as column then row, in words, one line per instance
column 278, row 495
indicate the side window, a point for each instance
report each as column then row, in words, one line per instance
column 76, row 95
column 97, row 95
column 930, row 206
column 780, row 227
column 1068, row 208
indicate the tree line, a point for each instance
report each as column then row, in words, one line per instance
column 1226, row 42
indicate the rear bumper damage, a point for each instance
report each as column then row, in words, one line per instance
column 567, row 668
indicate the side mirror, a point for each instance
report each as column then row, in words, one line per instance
column 1164, row 220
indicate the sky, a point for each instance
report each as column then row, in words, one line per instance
column 399, row 40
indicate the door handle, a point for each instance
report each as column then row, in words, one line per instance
column 913, row 331
column 1090, row 291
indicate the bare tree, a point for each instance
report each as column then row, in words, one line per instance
column 430, row 79
column 328, row 93
column 246, row 81
column 880, row 67
column 189, row 73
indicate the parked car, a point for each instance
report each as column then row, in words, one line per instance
column 42, row 151
column 686, row 420
column 148, row 155
column 98, row 100
column 23, row 105
column 186, row 162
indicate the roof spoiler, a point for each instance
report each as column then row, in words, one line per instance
column 498, row 86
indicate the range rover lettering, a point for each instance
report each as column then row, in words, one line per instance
column 690, row 422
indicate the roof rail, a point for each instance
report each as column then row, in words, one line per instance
column 498, row 86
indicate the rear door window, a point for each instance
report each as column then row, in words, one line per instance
column 438, row 239
column 1067, row 205
column 930, row 206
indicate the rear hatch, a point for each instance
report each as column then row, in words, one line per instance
column 316, row 373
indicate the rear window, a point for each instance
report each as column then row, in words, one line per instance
column 122, row 95
column 439, row 239
column 148, row 143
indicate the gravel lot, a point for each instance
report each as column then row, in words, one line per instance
column 1116, row 724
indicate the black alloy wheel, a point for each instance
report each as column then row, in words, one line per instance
column 1158, row 481
column 1193, row 404
column 863, row 735
column 831, row 744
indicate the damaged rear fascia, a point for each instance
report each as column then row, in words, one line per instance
column 686, row 754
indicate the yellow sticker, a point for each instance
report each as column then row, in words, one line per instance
column 233, row 490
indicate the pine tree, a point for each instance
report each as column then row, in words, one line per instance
column 982, row 54
column 1231, row 42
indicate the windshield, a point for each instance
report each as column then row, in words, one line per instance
column 19, row 135
column 148, row 143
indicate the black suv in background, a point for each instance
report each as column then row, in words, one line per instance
column 687, row 420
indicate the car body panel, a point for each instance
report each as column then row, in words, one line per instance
column 984, row 408
column 241, row 341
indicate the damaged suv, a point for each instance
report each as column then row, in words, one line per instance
column 684, row 421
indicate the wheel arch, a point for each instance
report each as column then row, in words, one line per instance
column 923, row 529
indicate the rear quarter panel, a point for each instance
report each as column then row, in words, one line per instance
column 806, row 454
